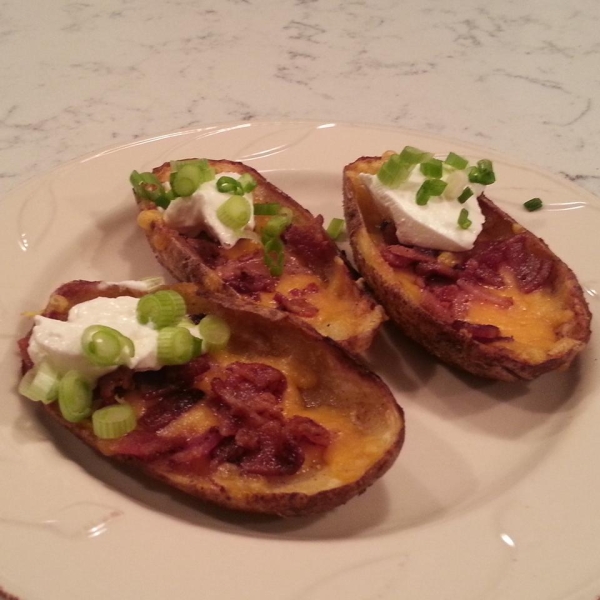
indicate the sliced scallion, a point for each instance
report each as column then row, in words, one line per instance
column 74, row 397
column 40, row 383
column 465, row 195
column 235, row 212
column 463, row 219
column 335, row 228
column 456, row 180
column 175, row 346
column 208, row 173
column 394, row 171
column 432, row 167
column 147, row 185
column 413, row 156
column 533, row 204
column 247, row 182
column 456, row 161
column 114, row 421
column 275, row 226
column 274, row 255
column 229, row 185
column 162, row 308
column 428, row 189
column 187, row 180
column 215, row 332
column 483, row 173
column 104, row 346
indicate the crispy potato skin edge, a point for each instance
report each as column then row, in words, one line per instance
column 449, row 345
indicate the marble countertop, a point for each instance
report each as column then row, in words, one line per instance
column 517, row 77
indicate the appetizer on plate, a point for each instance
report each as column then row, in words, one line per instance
column 243, row 406
column 222, row 225
column 455, row 272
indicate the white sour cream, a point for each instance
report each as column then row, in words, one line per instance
column 59, row 342
column 433, row 225
column 193, row 213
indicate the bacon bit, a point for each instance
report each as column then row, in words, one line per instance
column 436, row 270
column 478, row 292
column 26, row 362
column 198, row 450
column 247, row 276
column 480, row 333
column 400, row 256
column 531, row 270
column 169, row 407
column 303, row 428
column 146, row 445
column 310, row 243
column 297, row 306
column 207, row 250
column 114, row 384
column 449, row 300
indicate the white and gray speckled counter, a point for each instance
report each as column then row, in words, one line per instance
column 518, row 77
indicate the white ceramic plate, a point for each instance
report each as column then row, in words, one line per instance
column 494, row 496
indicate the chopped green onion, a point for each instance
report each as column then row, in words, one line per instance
column 215, row 332
column 456, row 161
column 114, row 421
column 187, row 180
column 74, row 397
column 105, row 346
column 175, row 346
column 456, row 180
column 229, row 185
column 483, row 173
column 247, row 182
column 274, row 255
column 208, row 173
column 335, row 228
column 413, row 156
column 394, row 171
column 432, row 167
column 235, row 212
column 162, row 308
column 533, row 204
column 40, row 384
column 428, row 189
column 465, row 195
column 463, row 219
column 267, row 208
column 275, row 226
column 148, row 186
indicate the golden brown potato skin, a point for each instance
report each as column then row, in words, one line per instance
column 366, row 424
column 347, row 313
column 457, row 347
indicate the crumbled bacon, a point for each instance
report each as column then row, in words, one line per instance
column 146, row 445
column 26, row 362
column 310, row 243
column 247, row 276
column 303, row 428
column 169, row 406
column 113, row 384
column 296, row 305
column 207, row 250
column 399, row 256
column 479, row 332
column 530, row 269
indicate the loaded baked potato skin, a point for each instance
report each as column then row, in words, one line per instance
column 316, row 284
column 281, row 422
column 507, row 322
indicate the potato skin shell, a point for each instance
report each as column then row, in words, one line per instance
column 452, row 346
column 273, row 332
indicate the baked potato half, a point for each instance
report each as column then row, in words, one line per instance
column 280, row 421
column 507, row 309
column 299, row 270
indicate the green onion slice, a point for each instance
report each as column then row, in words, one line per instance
column 235, row 212
column 175, row 346
column 113, row 421
column 465, row 195
column 187, row 180
column 74, row 397
column 463, row 219
column 40, row 383
column 247, row 182
column 335, row 228
column 275, row 226
column 215, row 332
column 456, row 161
column 229, row 185
column 105, row 346
column 148, row 186
column 274, row 255
column 413, row 156
column 394, row 171
column 432, row 167
column 533, row 204
column 267, row 208
column 428, row 189
column 162, row 308
column 482, row 173
column 208, row 173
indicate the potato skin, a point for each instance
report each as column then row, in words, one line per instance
column 359, row 317
column 259, row 335
column 456, row 347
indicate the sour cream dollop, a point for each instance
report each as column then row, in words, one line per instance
column 194, row 213
column 433, row 225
